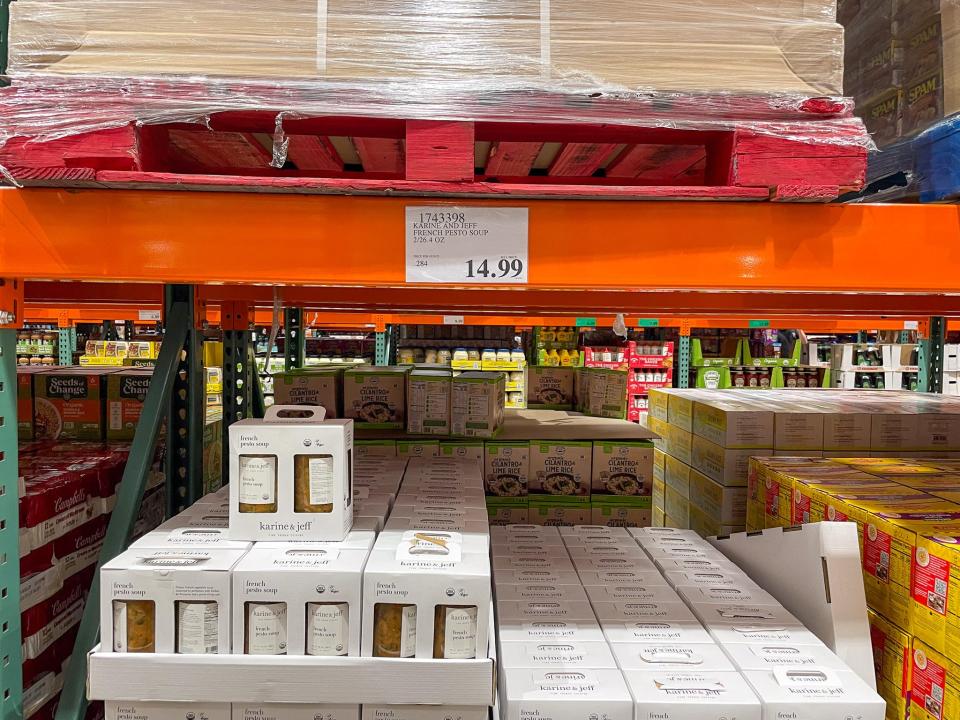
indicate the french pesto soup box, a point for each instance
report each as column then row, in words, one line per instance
column 291, row 476
column 167, row 600
column 376, row 397
column 310, row 386
column 622, row 467
column 299, row 598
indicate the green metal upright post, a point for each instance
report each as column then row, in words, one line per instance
column 66, row 345
column 11, row 670
column 931, row 357
column 185, row 417
column 382, row 346
column 294, row 339
column 683, row 362
column 240, row 377
column 259, row 403
column 4, row 37
column 73, row 699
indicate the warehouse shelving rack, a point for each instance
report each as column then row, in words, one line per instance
column 221, row 258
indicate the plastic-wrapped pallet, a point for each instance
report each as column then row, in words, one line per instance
column 773, row 67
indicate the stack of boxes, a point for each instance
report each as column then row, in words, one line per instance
column 901, row 61
column 68, row 493
column 907, row 513
column 570, row 481
column 719, row 430
column 309, row 553
column 653, row 623
column 421, row 401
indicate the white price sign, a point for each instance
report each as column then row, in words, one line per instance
column 456, row 245
column 146, row 315
column 453, row 319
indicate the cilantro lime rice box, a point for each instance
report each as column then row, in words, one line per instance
column 376, row 397
column 310, row 386
column 622, row 467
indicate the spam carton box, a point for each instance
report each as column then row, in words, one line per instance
column 892, row 648
column 935, row 685
column 936, row 593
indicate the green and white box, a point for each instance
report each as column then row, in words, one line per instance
column 376, row 397
column 477, row 404
column 428, row 402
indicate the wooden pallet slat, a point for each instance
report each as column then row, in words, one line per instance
column 206, row 149
column 512, row 158
column 309, row 152
column 582, row 159
column 380, row 154
column 662, row 164
column 440, row 150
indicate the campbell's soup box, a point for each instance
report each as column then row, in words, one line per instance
column 69, row 404
column 126, row 393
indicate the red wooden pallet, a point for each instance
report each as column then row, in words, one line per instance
column 242, row 150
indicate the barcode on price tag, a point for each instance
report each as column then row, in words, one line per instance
column 471, row 245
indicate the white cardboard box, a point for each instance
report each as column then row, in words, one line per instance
column 510, row 612
column 190, row 537
column 660, row 632
column 695, row 595
column 539, row 576
column 135, row 710
column 535, row 631
column 611, row 578
column 558, row 694
column 693, row 695
column 294, row 711
column 815, row 694
column 541, row 591
column 532, row 562
column 645, row 612
column 599, row 564
column 770, row 656
column 190, row 592
column 502, row 549
column 264, row 456
column 526, row 532
column 709, row 579
column 560, row 655
column 423, row 572
column 424, row 712
column 631, row 593
column 593, row 532
column 298, row 599
column 701, row 657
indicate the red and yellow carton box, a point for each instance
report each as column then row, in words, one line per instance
column 892, row 647
column 889, row 542
column 935, row 685
column 936, row 593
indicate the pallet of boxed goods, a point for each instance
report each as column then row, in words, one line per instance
column 741, row 100
column 655, row 622
column 394, row 614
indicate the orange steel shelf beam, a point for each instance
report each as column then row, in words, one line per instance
column 169, row 236
column 517, row 301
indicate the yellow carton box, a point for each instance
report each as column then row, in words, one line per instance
column 891, row 652
column 723, row 505
column 702, row 523
column 657, row 517
column 935, row 686
column 676, row 506
column 659, row 464
column 936, row 593
column 679, row 443
column 677, row 475
column 727, row 467
column 889, row 542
